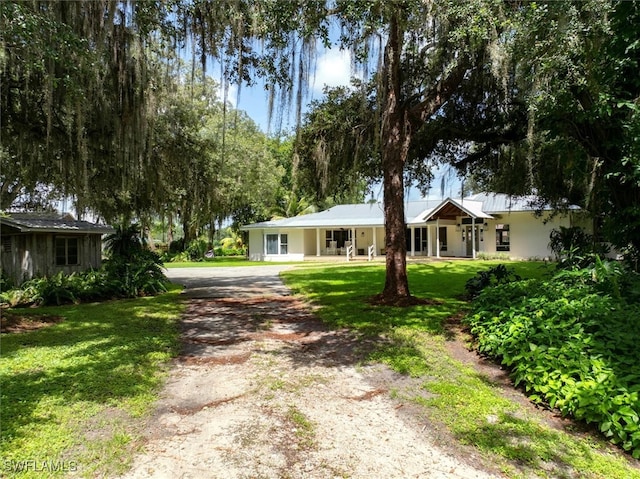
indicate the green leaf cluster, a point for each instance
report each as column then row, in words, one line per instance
column 570, row 345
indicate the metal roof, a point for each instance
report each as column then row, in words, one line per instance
column 344, row 216
column 51, row 223
column 481, row 205
column 451, row 208
column 501, row 203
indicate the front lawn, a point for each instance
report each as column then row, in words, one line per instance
column 71, row 392
column 218, row 261
column 460, row 399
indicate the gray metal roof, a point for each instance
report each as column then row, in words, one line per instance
column 481, row 205
column 501, row 203
column 342, row 216
column 51, row 223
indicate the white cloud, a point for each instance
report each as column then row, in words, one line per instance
column 232, row 94
column 333, row 69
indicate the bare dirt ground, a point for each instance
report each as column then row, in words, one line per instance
column 264, row 390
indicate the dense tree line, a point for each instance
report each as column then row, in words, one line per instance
column 522, row 95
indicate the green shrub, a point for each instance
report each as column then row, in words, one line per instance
column 138, row 275
column 482, row 255
column 197, row 250
column 495, row 275
column 230, row 251
column 574, row 248
column 570, row 346
column 141, row 275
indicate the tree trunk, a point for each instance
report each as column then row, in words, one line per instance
column 396, row 137
column 398, row 122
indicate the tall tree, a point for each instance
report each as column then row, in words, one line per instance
column 211, row 160
column 74, row 96
column 440, row 41
column 574, row 69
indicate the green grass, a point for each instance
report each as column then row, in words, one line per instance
column 72, row 392
column 218, row 262
column 455, row 395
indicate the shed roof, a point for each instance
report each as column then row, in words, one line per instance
column 51, row 223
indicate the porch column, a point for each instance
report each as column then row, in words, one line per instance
column 353, row 241
column 413, row 241
column 375, row 242
column 473, row 238
column 317, row 241
column 437, row 237
column 429, row 251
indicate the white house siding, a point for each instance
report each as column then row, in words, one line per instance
column 295, row 245
column 379, row 240
column 310, row 239
column 256, row 247
column 529, row 236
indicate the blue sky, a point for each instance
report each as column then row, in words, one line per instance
column 333, row 68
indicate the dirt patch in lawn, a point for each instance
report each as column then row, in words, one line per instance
column 11, row 323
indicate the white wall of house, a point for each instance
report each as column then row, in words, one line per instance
column 295, row 245
column 310, row 240
column 529, row 235
column 528, row 238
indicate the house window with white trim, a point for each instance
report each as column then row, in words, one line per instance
column 277, row 243
column 66, row 250
column 272, row 244
column 503, row 238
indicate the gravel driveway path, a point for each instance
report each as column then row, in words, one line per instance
column 263, row 389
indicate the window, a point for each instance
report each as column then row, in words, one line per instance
column 328, row 238
column 272, row 244
column 502, row 238
column 66, row 251
column 277, row 244
column 442, row 232
column 419, row 238
column 6, row 244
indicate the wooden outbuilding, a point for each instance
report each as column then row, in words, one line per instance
column 42, row 244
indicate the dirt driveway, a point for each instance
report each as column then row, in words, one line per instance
column 264, row 390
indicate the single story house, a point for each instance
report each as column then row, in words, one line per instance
column 42, row 244
column 463, row 227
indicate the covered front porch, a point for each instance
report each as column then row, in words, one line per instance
column 452, row 229
column 442, row 230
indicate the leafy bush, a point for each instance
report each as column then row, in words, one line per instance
column 483, row 255
column 574, row 248
column 140, row 275
column 495, row 275
column 230, row 251
column 125, row 242
column 197, row 250
column 570, row 346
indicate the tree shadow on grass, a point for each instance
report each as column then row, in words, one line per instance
column 103, row 361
